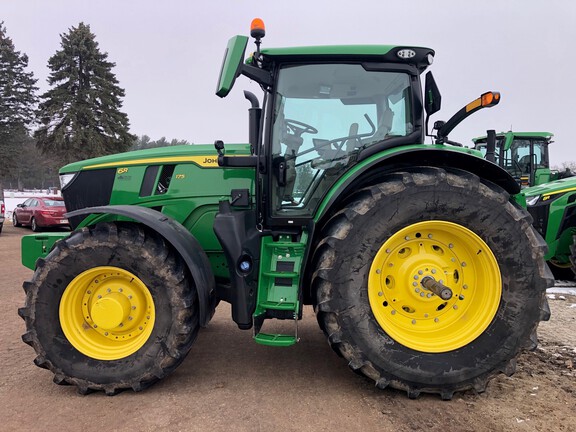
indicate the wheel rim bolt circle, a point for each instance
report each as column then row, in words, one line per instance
column 430, row 268
column 110, row 333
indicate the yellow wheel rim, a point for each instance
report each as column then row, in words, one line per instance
column 414, row 316
column 107, row 313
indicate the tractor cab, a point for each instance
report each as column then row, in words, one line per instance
column 523, row 154
column 327, row 110
column 327, row 117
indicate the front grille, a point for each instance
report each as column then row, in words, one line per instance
column 88, row 189
column 568, row 219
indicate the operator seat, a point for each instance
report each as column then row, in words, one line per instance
column 353, row 142
column 524, row 163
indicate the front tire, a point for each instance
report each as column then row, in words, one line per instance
column 15, row 220
column 457, row 229
column 112, row 307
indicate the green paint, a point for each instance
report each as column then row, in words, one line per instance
column 231, row 64
column 556, row 201
column 336, row 50
column 36, row 246
column 353, row 172
column 515, row 147
column 279, row 284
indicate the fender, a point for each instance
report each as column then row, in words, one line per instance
column 180, row 238
column 370, row 169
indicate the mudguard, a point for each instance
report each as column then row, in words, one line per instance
column 180, row 238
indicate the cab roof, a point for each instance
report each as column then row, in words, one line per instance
column 421, row 57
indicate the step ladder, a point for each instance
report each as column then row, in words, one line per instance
column 279, row 287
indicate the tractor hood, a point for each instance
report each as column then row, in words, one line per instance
column 203, row 155
column 551, row 188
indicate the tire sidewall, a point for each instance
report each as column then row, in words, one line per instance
column 477, row 210
column 56, row 277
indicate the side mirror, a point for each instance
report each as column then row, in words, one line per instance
column 232, row 64
column 432, row 97
column 20, row 205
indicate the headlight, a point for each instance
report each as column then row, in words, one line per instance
column 532, row 200
column 65, row 179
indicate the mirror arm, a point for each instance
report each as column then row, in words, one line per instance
column 261, row 76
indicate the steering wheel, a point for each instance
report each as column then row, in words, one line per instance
column 298, row 128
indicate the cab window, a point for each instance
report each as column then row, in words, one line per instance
column 324, row 114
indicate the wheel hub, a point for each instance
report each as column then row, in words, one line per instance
column 449, row 256
column 110, row 311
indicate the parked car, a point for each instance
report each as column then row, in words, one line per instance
column 40, row 213
column 2, row 211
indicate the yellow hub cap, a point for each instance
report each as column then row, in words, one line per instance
column 107, row 313
column 455, row 257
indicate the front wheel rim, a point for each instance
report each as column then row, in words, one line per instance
column 107, row 313
column 452, row 255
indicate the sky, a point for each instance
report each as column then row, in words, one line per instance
column 168, row 55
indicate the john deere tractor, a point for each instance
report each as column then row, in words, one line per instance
column 553, row 208
column 425, row 273
column 523, row 154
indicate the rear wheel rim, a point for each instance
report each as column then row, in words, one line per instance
column 107, row 313
column 452, row 255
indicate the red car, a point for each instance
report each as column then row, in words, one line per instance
column 40, row 213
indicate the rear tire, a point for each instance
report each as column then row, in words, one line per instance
column 149, row 299
column 34, row 225
column 418, row 223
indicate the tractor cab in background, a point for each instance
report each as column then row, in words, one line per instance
column 524, row 155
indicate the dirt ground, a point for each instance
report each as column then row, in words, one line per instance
column 229, row 383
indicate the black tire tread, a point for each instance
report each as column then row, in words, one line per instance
column 182, row 296
column 341, row 223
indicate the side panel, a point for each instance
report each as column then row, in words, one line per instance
column 187, row 191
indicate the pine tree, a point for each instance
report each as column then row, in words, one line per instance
column 80, row 116
column 145, row 142
column 17, row 104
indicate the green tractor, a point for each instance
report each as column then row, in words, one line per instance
column 523, row 154
column 423, row 268
column 553, row 208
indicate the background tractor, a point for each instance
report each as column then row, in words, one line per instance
column 425, row 273
column 524, row 155
column 553, row 208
